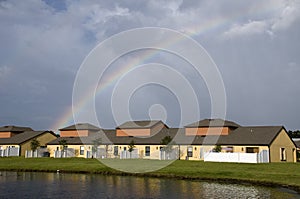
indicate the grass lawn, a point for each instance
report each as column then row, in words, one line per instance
column 287, row 174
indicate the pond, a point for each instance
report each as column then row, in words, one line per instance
column 63, row 185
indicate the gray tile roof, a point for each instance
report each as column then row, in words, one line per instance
column 88, row 140
column 81, row 126
column 109, row 137
column 256, row 135
column 153, row 140
column 213, row 123
column 139, row 124
column 297, row 143
column 12, row 128
column 70, row 140
column 23, row 137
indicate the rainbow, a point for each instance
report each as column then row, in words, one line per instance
column 195, row 30
column 67, row 118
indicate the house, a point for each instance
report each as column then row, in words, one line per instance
column 297, row 142
column 140, row 128
column 80, row 146
column 271, row 143
column 18, row 143
column 196, row 141
column 78, row 130
column 77, row 140
column 148, row 142
column 145, row 135
column 10, row 131
column 113, row 143
column 210, row 127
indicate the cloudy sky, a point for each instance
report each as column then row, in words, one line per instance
column 254, row 43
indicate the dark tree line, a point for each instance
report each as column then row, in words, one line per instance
column 294, row 134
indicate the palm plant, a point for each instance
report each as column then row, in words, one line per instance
column 96, row 144
column 34, row 144
column 168, row 145
column 131, row 147
column 63, row 144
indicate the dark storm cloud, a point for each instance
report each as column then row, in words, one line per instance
column 255, row 45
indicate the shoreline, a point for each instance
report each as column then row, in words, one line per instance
column 284, row 175
column 167, row 176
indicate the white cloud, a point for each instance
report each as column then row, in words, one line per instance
column 282, row 16
column 250, row 28
column 288, row 16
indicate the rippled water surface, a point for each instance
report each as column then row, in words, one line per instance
column 53, row 185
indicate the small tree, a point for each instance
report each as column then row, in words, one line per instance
column 166, row 140
column 168, row 145
column 63, row 144
column 34, row 144
column 218, row 148
column 96, row 144
column 131, row 147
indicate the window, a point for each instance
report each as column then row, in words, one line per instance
column 147, row 150
column 81, row 150
column 282, row 154
column 190, row 152
column 116, row 150
column 229, row 149
column 252, row 150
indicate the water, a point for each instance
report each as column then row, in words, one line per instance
column 53, row 185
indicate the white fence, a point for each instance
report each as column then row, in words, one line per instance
column 168, row 155
column 67, row 153
column 10, row 151
column 129, row 155
column 100, row 153
column 41, row 152
column 262, row 157
column 162, row 155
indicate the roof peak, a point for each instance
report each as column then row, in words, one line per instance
column 213, row 122
column 81, row 126
column 139, row 124
column 15, row 128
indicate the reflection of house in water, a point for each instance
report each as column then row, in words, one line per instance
column 208, row 140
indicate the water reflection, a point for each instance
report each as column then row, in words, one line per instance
column 53, row 185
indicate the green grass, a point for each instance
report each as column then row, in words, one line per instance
column 273, row 173
column 285, row 174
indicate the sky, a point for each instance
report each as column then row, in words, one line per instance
column 255, row 45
